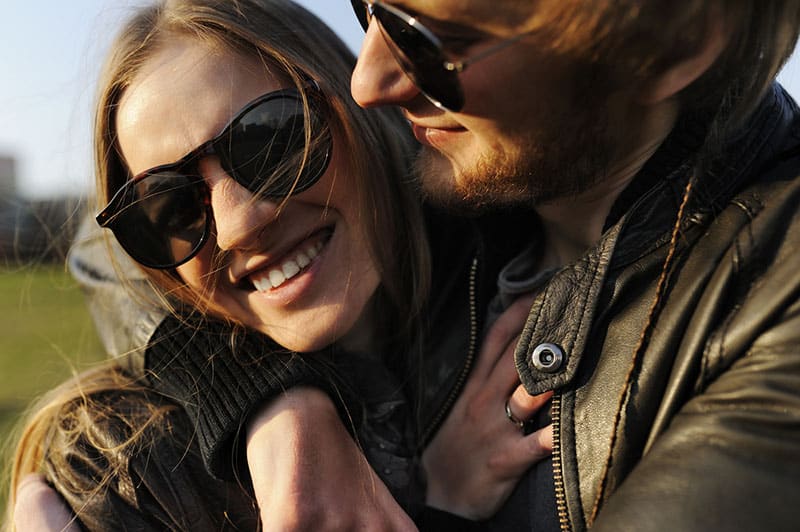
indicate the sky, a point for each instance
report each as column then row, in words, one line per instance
column 50, row 53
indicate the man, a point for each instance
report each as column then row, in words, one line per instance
column 663, row 166
column 665, row 316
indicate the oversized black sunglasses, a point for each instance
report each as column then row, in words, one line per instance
column 162, row 217
column 421, row 54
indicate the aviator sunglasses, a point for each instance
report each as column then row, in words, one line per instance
column 421, row 54
column 162, row 217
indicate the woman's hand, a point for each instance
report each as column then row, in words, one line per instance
column 309, row 474
column 39, row 508
column 479, row 454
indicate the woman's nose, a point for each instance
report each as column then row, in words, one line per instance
column 378, row 78
column 239, row 218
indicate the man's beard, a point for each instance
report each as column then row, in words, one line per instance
column 541, row 170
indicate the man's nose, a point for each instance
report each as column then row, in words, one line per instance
column 239, row 217
column 378, row 78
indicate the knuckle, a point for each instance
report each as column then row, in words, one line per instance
column 498, row 465
column 473, row 412
column 529, row 403
column 34, row 496
column 479, row 408
column 539, row 444
column 297, row 517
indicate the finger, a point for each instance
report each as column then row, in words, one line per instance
column 524, row 405
column 501, row 334
column 39, row 508
column 504, row 375
column 536, row 446
column 525, row 452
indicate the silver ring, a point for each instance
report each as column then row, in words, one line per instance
column 512, row 418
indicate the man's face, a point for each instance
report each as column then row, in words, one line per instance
column 533, row 128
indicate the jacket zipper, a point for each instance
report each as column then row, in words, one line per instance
column 555, row 414
column 558, row 470
column 473, row 340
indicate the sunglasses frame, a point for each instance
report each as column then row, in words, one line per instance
column 368, row 7
column 123, row 198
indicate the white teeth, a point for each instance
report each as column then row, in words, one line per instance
column 302, row 259
column 262, row 284
column 291, row 267
column 276, row 277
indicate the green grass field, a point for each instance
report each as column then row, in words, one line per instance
column 45, row 334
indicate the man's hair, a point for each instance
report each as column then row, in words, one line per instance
column 631, row 41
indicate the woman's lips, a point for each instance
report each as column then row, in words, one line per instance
column 292, row 264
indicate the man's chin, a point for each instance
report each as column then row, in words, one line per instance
column 473, row 201
column 440, row 185
column 468, row 193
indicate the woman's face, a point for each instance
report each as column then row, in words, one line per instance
column 300, row 270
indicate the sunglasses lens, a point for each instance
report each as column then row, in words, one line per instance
column 362, row 13
column 161, row 218
column 422, row 59
column 166, row 220
column 265, row 149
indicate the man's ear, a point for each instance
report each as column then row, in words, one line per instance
column 681, row 74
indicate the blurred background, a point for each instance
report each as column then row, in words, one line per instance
column 50, row 53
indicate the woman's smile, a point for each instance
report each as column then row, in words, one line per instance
column 297, row 261
column 286, row 278
column 298, row 269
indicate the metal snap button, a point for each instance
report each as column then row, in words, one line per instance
column 547, row 358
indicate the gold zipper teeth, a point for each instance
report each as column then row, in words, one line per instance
column 558, row 471
column 473, row 339
column 473, row 312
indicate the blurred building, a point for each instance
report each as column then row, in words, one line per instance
column 8, row 179
column 33, row 231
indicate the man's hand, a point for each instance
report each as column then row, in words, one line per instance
column 479, row 455
column 309, row 474
column 39, row 508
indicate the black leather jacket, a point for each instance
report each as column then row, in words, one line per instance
column 700, row 428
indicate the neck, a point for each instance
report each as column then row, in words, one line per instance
column 573, row 225
column 361, row 338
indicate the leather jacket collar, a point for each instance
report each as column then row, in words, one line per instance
column 640, row 222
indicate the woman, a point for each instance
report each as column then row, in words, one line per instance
column 314, row 240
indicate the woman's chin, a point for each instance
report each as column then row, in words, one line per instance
column 302, row 342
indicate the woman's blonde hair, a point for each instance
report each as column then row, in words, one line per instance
column 376, row 147
column 95, row 436
column 60, row 418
